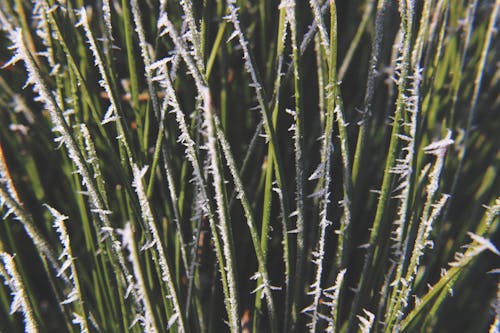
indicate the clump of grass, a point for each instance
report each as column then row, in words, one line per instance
column 264, row 166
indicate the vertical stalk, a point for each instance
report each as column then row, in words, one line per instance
column 370, row 91
column 223, row 213
column 299, row 161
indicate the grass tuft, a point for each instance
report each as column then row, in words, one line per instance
column 259, row 166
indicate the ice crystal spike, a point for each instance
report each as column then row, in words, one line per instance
column 483, row 242
column 366, row 321
column 439, row 147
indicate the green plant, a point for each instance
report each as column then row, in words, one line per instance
column 202, row 166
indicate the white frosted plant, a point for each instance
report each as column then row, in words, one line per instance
column 333, row 296
column 40, row 13
column 93, row 160
column 323, row 172
column 311, row 32
column 193, row 33
column 405, row 172
column 20, row 301
column 404, row 168
column 146, row 57
column 147, row 318
column 344, row 230
column 68, row 262
column 222, row 211
column 319, row 22
column 148, row 218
